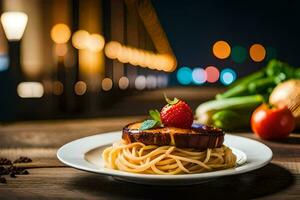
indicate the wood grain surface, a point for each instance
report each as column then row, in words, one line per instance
column 50, row 179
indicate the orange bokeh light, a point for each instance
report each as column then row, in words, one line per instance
column 60, row 33
column 143, row 58
column 58, row 88
column 257, row 52
column 221, row 49
column 80, row 88
column 80, row 39
column 107, row 84
column 113, row 49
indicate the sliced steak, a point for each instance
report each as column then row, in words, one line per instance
column 199, row 136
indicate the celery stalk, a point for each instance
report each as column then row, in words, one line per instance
column 205, row 110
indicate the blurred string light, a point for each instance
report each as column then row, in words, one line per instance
column 143, row 58
column 238, row 54
column 80, row 88
column 140, row 82
column 271, row 53
column 199, row 76
column 228, row 76
column 96, row 42
column 162, row 81
column 123, row 83
column 257, row 52
column 212, row 74
column 113, row 49
column 151, row 82
column 58, row 88
column 80, row 39
column 30, row 90
column 60, row 33
column 184, row 75
column 83, row 40
column 14, row 24
column 221, row 49
column 4, row 62
column 107, row 84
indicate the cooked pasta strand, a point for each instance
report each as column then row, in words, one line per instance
column 166, row 160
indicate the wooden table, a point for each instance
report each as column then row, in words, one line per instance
column 52, row 180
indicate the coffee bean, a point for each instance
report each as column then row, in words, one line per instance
column 4, row 170
column 5, row 161
column 23, row 159
column 7, row 168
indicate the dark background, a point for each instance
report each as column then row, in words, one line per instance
column 193, row 27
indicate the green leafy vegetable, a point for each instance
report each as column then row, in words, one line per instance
column 155, row 114
column 148, row 124
column 152, row 123
column 261, row 81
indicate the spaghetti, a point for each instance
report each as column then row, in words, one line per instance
column 166, row 160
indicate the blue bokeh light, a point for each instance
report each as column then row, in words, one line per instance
column 199, row 76
column 4, row 62
column 228, row 76
column 184, row 75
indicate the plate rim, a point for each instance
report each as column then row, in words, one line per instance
column 115, row 173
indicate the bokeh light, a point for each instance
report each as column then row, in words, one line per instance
column 238, row 54
column 184, row 75
column 137, row 56
column 58, row 88
column 125, row 55
column 151, row 82
column 227, row 76
column 80, row 39
column 199, row 76
column 147, row 60
column 143, row 58
column 212, row 74
column 113, row 49
column 80, row 88
column 60, row 33
column 140, row 82
column 162, row 81
column 271, row 53
column 30, row 90
column 123, row 83
column 107, row 84
column 96, row 42
column 257, row 52
column 4, row 62
column 221, row 49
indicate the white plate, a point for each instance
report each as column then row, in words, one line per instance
column 85, row 154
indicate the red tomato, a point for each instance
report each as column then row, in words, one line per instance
column 269, row 122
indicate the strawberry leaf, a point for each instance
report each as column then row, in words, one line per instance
column 172, row 102
column 148, row 124
column 155, row 114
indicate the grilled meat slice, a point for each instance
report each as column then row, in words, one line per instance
column 199, row 136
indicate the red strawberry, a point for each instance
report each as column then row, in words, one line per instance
column 177, row 113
